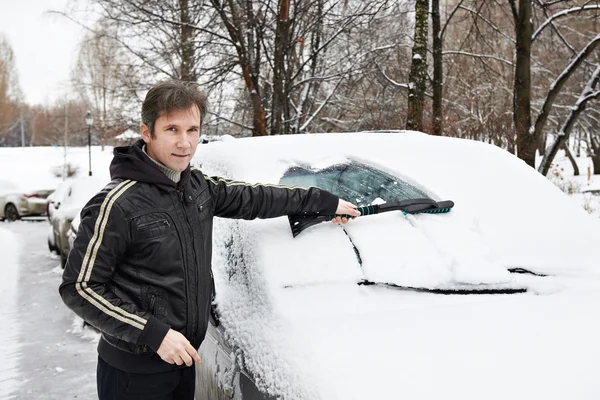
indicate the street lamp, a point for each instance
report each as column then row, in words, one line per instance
column 89, row 120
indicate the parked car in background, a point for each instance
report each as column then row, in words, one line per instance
column 17, row 201
column 72, row 234
column 65, row 205
column 58, row 194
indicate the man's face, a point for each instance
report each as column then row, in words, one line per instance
column 175, row 138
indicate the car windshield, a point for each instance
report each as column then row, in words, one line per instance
column 356, row 182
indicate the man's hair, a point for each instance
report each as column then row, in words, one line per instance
column 169, row 96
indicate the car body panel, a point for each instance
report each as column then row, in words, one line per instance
column 28, row 202
column 66, row 204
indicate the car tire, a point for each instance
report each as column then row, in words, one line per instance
column 53, row 249
column 11, row 213
column 63, row 259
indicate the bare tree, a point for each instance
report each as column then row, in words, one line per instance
column 291, row 57
column 60, row 124
column 417, row 79
column 590, row 92
column 560, row 82
column 105, row 78
column 537, row 58
column 438, row 68
column 10, row 94
column 526, row 143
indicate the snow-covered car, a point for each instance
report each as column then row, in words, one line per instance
column 204, row 139
column 53, row 199
column 495, row 299
column 70, row 197
column 17, row 201
column 72, row 233
column 57, row 196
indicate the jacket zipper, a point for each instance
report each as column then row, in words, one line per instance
column 185, row 272
column 193, row 307
column 197, row 271
column 149, row 225
column 153, row 305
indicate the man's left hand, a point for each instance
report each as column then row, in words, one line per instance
column 347, row 208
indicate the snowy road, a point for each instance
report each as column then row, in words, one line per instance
column 49, row 355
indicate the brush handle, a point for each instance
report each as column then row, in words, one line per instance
column 366, row 210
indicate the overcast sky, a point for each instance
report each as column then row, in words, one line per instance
column 45, row 46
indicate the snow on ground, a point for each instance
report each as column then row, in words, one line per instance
column 584, row 189
column 9, row 344
column 52, row 362
column 34, row 167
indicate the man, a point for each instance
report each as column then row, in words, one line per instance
column 140, row 269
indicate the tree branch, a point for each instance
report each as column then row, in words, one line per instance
column 390, row 80
column 464, row 53
column 515, row 11
column 218, row 116
column 490, row 23
column 559, row 83
column 589, row 93
column 561, row 14
column 454, row 10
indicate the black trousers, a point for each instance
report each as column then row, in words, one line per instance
column 115, row 384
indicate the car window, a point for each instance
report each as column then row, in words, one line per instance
column 356, row 182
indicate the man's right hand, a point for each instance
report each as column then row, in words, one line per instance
column 176, row 349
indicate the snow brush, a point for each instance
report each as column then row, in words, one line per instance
column 299, row 223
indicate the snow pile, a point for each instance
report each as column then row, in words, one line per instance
column 308, row 331
column 36, row 164
column 79, row 328
column 9, row 334
column 584, row 188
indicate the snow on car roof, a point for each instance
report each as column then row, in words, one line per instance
column 75, row 193
column 520, row 213
column 309, row 331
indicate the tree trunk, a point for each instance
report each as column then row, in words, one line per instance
column 249, row 70
column 571, row 159
column 595, row 147
column 510, row 146
column 103, row 138
column 526, row 141
column 258, row 112
column 418, row 69
column 438, row 71
column 186, row 71
column 279, row 70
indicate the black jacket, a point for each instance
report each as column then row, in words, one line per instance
column 141, row 262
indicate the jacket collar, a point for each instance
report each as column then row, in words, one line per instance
column 130, row 162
